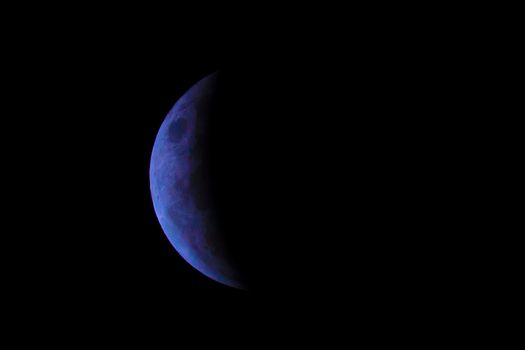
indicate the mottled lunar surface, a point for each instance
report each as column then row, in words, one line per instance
column 179, row 184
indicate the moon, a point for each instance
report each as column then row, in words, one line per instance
column 180, row 181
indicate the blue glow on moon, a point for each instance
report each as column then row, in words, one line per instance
column 176, row 185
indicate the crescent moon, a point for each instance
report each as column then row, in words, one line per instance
column 179, row 185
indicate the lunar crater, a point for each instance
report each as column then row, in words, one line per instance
column 178, row 129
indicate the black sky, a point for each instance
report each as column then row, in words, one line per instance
column 331, row 180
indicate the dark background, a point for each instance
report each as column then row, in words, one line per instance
column 329, row 174
column 352, row 175
column 317, row 177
